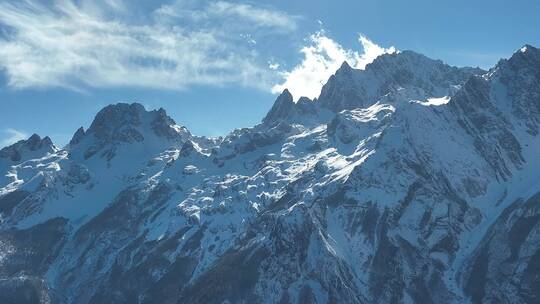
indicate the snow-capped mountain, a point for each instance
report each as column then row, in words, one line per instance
column 408, row 182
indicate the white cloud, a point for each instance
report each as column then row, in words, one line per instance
column 12, row 136
column 230, row 13
column 322, row 57
column 273, row 65
column 80, row 44
column 259, row 16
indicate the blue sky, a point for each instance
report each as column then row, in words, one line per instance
column 218, row 65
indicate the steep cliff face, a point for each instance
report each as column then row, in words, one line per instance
column 408, row 182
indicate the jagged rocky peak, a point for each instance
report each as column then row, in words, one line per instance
column 527, row 52
column 525, row 58
column 34, row 146
column 389, row 74
column 164, row 126
column 281, row 108
column 420, row 64
column 520, row 75
column 343, row 75
column 403, row 58
column 302, row 101
column 351, row 88
column 286, row 110
column 35, row 142
column 345, row 69
column 118, row 122
column 77, row 137
column 124, row 122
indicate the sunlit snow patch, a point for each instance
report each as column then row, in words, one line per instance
column 436, row 101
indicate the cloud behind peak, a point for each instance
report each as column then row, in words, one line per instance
column 321, row 58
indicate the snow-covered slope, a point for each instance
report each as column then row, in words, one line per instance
column 408, row 182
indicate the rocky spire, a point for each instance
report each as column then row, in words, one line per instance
column 281, row 108
column 77, row 137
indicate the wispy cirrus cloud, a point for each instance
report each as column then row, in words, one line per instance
column 322, row 57
column 259, row 16
column 12, row 136
column 81, row 44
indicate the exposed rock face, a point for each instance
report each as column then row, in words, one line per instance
column 77, row 137
column 33, row 147
column 504, row 267
column 408, row 182
column 349, row 88
column 120, row 124
column 520, row 75
column 282, row 108
column 303, row 111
